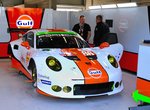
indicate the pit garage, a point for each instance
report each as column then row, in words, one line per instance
column 36, row 75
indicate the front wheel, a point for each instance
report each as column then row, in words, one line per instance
column 34, row 75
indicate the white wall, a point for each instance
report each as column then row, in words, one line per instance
column 47, row 21
column 130, row 24
column 4, row 36
column 61, row 19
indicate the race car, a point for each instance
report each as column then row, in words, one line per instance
column 60, row 63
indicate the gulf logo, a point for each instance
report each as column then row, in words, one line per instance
column 25, row 22
column 94, row 73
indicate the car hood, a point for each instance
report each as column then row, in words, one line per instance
column 69, row 53
column 85, row 59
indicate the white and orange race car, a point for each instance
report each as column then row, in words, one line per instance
column 61, row 64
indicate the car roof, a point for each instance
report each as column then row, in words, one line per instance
column 53, row 31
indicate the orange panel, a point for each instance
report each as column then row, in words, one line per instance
column 143, row 86
column 92, row 70
column 14, row 13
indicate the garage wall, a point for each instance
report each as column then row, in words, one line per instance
column 61, row 19
column 45, row 18
column 130, row 24
column 4, row 36
column 47, row 21
column 8, row 21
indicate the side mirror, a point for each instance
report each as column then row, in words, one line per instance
column 20, row 35
column 25, row 44
column 104, row 45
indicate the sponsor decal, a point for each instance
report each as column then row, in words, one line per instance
column 123, row 25
column 66, row 53
column 95, row 73
column 25, row 21
column 28, row 57
column 22, row 59
column 46, row 82
column 88, row 53
column 43, row 76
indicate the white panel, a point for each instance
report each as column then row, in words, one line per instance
column 47, row 21
column 61, row 19
column 130, row 24
column 143, row 61
column 132, row 27
column 4, row 36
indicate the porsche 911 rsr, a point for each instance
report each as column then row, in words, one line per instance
column 61, row 64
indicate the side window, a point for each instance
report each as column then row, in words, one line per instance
column 24, row 37
column 82, row 44
column 72, row 42
column 30, row 39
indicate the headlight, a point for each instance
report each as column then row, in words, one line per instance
column 56, row 88
column 53, row 63
column 66, row 89
column 112, row 61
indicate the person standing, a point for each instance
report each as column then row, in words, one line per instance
column 83, row 28
column 101, row 29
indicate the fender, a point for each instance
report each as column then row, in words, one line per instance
column 116, row 50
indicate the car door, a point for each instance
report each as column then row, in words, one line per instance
column 27, row 52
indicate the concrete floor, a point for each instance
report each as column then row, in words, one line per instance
column 18, row 94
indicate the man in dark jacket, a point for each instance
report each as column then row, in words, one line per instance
column 83, row 28
column 100, row 31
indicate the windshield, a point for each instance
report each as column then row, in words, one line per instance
column 60, row 41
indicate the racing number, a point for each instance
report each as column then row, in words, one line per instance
column 88, row 53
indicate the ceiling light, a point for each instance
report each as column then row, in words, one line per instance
column 67, row 9
column 94, row 7
column 132, row 4
column 109, row 6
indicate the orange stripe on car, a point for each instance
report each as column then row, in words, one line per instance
column 92, row 70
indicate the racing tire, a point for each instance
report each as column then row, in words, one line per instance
column 34, row 75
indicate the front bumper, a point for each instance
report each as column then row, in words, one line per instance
column 79, row 90
column 74, row 79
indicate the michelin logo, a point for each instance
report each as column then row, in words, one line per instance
column 43, row 76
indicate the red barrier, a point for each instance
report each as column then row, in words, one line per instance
column 129, row 61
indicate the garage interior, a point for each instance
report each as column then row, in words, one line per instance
column 130, row 23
